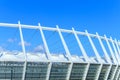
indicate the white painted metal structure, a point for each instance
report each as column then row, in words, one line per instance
column 98, row 67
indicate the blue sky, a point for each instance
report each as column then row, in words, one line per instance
column 100, row 16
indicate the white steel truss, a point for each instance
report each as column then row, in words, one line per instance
column 47, row 52
column 23, row 48
column 67, row 53
column 113, row 59
column 104, row 50
column 116, row 53
column 111, row 51
column 94, row 48
column 83, row 52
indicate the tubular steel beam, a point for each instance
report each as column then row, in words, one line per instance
column 47, row 52
column 49, row 29
column 94, row 48
column 103, row 48
column 23, row 49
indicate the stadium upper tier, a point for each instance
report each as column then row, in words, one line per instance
column 83, row 56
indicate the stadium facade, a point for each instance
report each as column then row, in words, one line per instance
column 27, row 66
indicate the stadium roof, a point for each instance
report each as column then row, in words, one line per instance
column 46, row 64
column 113, row 57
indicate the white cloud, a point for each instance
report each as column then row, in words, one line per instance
column 11, row 40
column 39, row 48
column 25, row 43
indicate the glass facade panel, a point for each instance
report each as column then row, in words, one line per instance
column 111, row 72
column 59, row 71
column 36, row 71
column 92, row 72
column 116, row 73
column 103, row 72
column 11, row 70
column 78, row 70
column 119, row 77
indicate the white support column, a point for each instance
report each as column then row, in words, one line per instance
column 106, row 55
column 69, row 71
column 67, row 52
column 94, row 48
column 111, row 51
column 116, row 53
column 114, row 73
column 24, row 70
column 103, row 48
column 113, row 56
column 81, row 46
column 96, row 53
column 23, row 49
column 45, row 43
column 48, row 71
column 118, row 56
column 64, row 44
column 86, row 71
column 47, row 52
column 99, row 71
column 83, row 53
column 118, row 75
column 108, row 72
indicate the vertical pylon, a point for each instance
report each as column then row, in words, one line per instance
column 111, row 51
column 47, row 52
column 45, row 43
column 64, row 44
column 67, row 53
column 80, row 46
column 83, row 53
column 116, row 53
column 94, row 48
column 23, row 49
column 118, row 49
column 103, row 48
